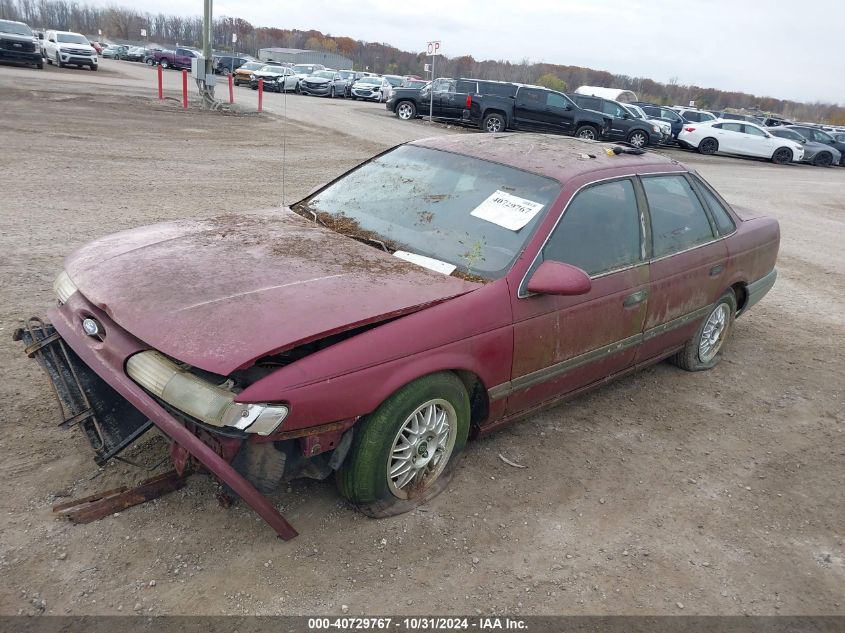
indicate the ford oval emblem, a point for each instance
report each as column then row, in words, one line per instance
column 91, row 327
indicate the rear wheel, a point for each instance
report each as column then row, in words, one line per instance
column 702, row 350
column 406, row 110
column 782, row 156
column 588, row 132
column 150, row 61
column 825, row 159
column 708, row 146
column 638, row 138
column 404, row 453
column 493, row 122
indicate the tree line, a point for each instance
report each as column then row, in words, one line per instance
column 124, row 24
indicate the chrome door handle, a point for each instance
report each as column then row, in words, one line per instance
column 635, row 298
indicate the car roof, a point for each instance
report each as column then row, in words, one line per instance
column 557, row 157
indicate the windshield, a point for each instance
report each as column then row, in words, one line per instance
column 635, row 111
column 436, row 204
column 300, row 69
column 253, row 66
column 70, row 38
column 16, row 29
column 325, row 74
column 370, row 80
column 269, row 69
column 394, row 81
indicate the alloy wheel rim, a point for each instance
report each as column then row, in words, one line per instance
column 404, row 111
column 588, row 134
column 713, row 334
column 638, row 140
column 422, row 448
column 494, row 125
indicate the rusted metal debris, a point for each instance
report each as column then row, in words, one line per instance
column 101, row 505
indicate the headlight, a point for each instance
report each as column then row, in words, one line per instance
column 64, row 287
column 655, row 129
column 252, row 77
column 200, row 399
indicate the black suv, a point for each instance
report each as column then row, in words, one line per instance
column 227, row 64
column 664, row 113
column 624, row 126
column 17, row 44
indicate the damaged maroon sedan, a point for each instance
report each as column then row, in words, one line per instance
column 436, row 292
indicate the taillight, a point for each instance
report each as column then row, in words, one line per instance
column 469, row 101
column 689, row 129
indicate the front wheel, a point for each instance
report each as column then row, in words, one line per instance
column 825, row 159
column 151, row 62
column 588, row 132
column 493, row 122
column 708, row 146
column 403, row 454
column 58, row 61
column 638, row 138
column 702, row 350
column 40, row 65
column 165, row 64
column 93, row 66
column 782, row 156
column 406, row 110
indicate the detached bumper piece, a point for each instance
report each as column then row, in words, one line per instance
column 109, row 422
column 98, row 506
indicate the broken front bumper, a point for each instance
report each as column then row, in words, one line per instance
column 94, row 391
column 109, row 422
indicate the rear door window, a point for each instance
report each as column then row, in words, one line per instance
column 678, row 221
column 599, row 231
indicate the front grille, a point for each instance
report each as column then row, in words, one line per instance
column 77, row 51
column 17, row 45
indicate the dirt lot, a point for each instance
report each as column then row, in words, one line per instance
column 666, row 492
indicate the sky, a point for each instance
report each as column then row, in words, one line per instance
column 764, row 47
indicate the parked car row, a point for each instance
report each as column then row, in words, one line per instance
column 780, row 144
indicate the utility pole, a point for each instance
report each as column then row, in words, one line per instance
column 207, row 88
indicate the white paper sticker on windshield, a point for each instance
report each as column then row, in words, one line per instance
column 511, row 212
column 426, row 262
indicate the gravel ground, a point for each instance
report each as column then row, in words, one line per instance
column 665, row 492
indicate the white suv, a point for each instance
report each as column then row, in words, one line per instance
column 66, row 47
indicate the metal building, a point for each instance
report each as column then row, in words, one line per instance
column 300, row 56
column 614, row 94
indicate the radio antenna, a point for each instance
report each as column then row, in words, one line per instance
column 284, row 134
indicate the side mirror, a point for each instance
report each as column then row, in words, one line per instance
column 52, row 40
column 556, row 278
column 626, row 116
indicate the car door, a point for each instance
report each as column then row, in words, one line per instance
column 729, row 136
column 559, row 112
column 529, row 107
column 687, row 267
column 562, row 344
column 759, row 143
column 621, row 122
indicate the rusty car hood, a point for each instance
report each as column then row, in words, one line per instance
column 220, row 293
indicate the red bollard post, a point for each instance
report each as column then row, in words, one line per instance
column 160, row 89
column 260, row 93
column 231, row 89
column 184, row 89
